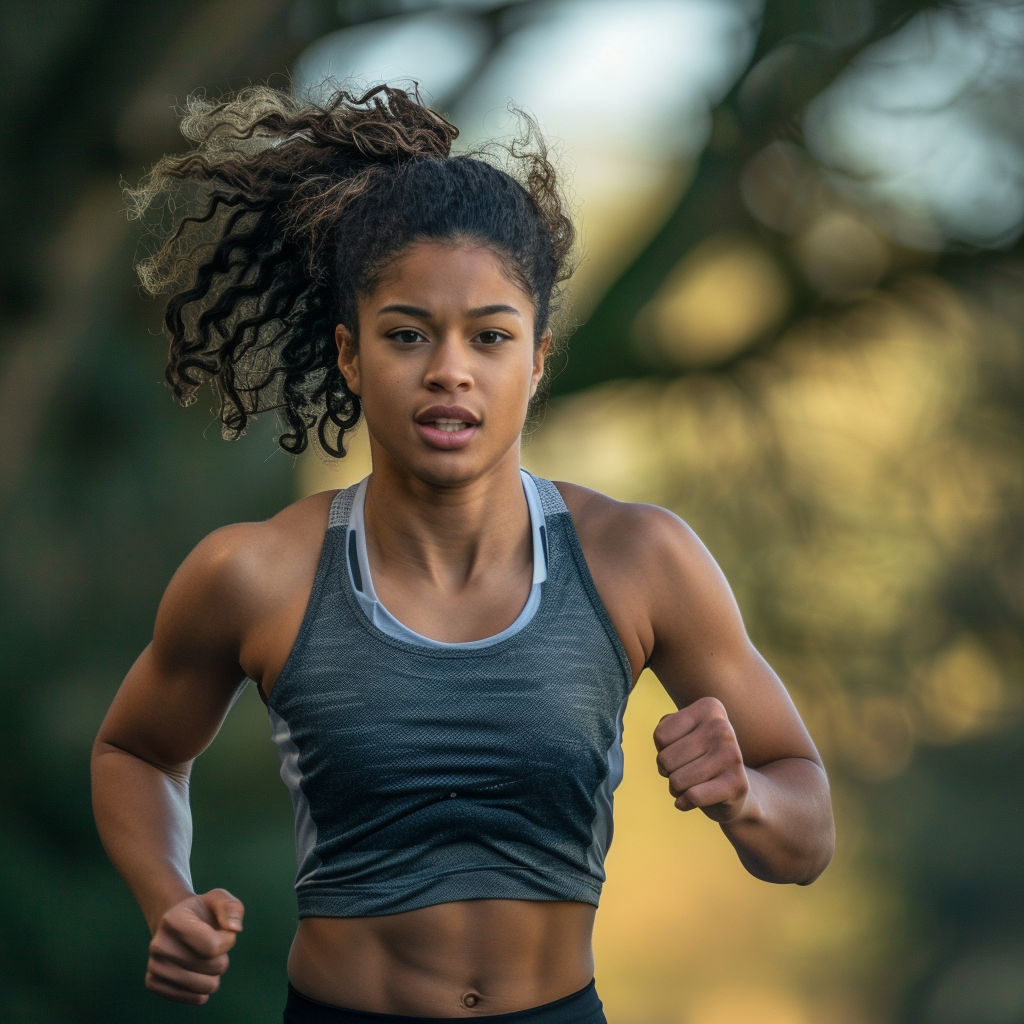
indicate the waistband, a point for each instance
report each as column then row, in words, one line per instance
column 583, row 1007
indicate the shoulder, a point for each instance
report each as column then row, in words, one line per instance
column 646, row 537
column 651, row 571
column 235, row 553
column 235, row 573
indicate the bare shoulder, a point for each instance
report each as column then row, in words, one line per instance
column 242, row 553
column 650, row 569
column 646, row 537
column 238, row 574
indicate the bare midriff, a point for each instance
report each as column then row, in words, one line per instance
column 465, row 959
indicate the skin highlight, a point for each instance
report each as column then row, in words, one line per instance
column 448, row 539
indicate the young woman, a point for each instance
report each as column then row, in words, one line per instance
column 445, row 650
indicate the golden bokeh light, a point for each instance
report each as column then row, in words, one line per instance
column 962, row 693
column 725, row 294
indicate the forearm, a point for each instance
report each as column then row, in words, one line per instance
column 143, row 817
column 784, row 831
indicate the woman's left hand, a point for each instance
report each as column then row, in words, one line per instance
column 700, row 756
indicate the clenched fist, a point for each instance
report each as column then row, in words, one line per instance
column 189, row 950
column 699, row 755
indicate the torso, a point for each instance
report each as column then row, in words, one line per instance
column 465, row 957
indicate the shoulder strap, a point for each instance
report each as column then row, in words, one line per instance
column 341, row 508
column 550, row 499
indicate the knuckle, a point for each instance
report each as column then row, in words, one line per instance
column 215, row 965
column 719, row 728
column 176, row 914
column 205, row 984
column 157, row 975
column 159, row 947
column 712, row 707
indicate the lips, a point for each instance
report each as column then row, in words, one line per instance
column 447, row 427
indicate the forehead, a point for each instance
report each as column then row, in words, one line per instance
column 455, row 275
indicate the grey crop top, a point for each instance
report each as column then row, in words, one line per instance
column 423, row 773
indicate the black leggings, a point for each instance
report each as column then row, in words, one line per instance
column 583, row 1007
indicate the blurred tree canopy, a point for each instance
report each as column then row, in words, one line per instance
column 915, row 689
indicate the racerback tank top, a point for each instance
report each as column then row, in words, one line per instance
column 422, row 775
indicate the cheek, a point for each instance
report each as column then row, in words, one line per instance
column 384, row 392
column 511, row 384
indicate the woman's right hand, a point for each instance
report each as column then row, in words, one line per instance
column 189, row 949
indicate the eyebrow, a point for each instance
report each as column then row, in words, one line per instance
column 424, row 314
column 416, row 311
column 476, row 314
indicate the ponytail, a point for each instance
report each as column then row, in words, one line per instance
column 284, row 213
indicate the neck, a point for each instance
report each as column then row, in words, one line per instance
column 446, row 534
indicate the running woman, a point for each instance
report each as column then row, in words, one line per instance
column 446, row 649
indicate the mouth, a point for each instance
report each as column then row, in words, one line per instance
column 447, row 428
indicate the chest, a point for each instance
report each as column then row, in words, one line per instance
column 481, row 608
column 377, row 707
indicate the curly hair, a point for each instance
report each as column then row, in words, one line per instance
column 285, row 212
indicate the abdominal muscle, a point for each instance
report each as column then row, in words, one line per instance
column 463, row 959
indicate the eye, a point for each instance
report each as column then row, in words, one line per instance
column 490, row 337
column 407, row 336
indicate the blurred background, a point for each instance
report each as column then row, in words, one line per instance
column 800, row 326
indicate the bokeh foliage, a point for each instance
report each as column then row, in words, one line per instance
column 850, row 452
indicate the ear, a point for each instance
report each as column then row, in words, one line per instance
column 348, row 357
column 540, row 354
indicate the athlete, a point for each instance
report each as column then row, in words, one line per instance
column 446, row 649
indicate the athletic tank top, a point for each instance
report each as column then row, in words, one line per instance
column 424, row 774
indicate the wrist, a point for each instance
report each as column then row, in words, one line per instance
column 156, row 903
column 750, row 812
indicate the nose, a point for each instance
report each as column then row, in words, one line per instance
column 449, row 367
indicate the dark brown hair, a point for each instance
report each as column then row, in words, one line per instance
column 284, row 213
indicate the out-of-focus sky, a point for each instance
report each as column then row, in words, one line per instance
column 921, row 130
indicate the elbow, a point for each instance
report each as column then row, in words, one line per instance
column 793, row 863
column 794, row 871
column 815, row 870
column 821, row 846
column 822, row 856
column 817, row 856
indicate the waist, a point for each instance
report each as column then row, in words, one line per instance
column 468, row 958
column 582, row 1007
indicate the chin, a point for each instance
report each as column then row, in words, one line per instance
column 447, row 469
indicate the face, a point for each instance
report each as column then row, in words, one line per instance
column 446, row 363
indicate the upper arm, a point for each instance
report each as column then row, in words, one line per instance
column 674, row 611
column 701, row 647
column 176, row 695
